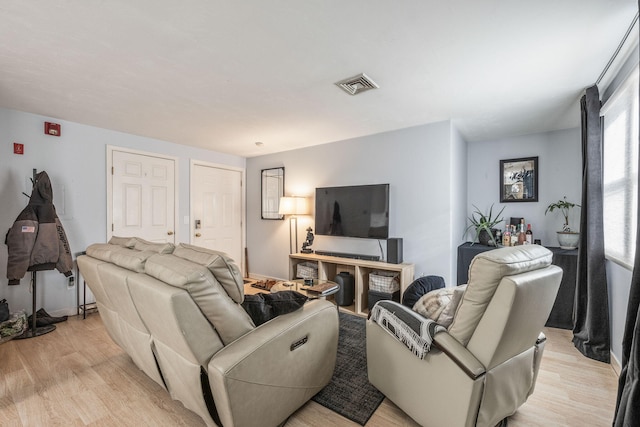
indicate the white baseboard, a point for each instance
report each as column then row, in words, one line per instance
column 615, row 364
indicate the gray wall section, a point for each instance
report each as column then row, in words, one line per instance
column 560, row 168
column 459, row 171
column 416, row 162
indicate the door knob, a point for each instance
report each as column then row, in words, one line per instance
column 170, row 233
column 198, row 234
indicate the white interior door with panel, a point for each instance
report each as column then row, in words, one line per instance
column 142, row 195
column 216, row 209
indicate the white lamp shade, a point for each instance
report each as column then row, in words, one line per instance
column 293, row 206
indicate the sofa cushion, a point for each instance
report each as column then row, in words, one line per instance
column 159, row 248
column 131, row 259
column 103, row 251
column 223, row 268
column 447, row 315
column 420, row 287
column 227, row 316
column 128, row 242
column 485, row 273
column 433, row 303
column 264, row 307
column 440, row 305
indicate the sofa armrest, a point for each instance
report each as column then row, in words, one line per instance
column 265, row 375
column 459, row 354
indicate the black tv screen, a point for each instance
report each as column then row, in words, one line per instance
column 354, row 211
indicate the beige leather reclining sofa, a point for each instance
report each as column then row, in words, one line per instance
column 176, row 311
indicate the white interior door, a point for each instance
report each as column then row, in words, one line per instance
column 216, row 209
column 143, row 196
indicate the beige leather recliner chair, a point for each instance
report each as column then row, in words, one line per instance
column 485, row 365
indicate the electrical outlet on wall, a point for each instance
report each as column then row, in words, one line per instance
column 71, row 283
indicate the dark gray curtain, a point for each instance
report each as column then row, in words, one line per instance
column 628, row 404
column 591, row 326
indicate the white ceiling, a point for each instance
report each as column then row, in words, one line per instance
column 223, row 75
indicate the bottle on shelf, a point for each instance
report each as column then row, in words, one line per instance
column 498, row 237
column 514, row 236
column 521, row 233
column 529, row 235
column 506, row 237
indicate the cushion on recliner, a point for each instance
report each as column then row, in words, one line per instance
column 433, row 303
column 131, row 259
column 446, row 317
column 128, row 242
column 223, row 268
column 440, row 305
column 420, row 287
column 485, row 273
column 103, row 251
column 159, row 248
column 264, row 307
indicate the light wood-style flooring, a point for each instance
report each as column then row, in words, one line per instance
column 76, row 376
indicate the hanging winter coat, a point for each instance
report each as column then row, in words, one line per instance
column 37, row 240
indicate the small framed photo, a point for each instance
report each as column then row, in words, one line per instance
column 519, row 180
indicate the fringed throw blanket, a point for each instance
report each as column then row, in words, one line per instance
column 407, row 326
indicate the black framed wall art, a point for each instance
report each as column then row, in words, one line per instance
column 519, row 180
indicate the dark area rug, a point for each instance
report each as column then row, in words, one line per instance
column 349, row 393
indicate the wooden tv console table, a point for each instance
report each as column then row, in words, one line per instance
column 330, row 266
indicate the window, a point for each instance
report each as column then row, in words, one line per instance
column 620, row 171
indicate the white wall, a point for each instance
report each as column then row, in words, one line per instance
column 416, row 162
column 560, row 173
column 77, row 162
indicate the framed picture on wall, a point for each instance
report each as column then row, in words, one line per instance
column 519, row 180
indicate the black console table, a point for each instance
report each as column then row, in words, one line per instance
column 562, row 312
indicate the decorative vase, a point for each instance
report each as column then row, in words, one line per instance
column 346, row 293
column 484, row 238
column 568, row 239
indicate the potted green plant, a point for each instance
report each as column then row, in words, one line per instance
column 568, row 239
column 483, row 225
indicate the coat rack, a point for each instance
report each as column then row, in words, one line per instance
column 34, row 330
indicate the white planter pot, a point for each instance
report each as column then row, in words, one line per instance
column 568, row 239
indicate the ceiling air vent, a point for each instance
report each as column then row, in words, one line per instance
column 357, row 84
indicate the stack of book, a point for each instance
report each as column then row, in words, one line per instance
column 322, row 288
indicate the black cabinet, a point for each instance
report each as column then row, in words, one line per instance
column 562, row 312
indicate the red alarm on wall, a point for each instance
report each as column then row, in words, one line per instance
column 52, row 128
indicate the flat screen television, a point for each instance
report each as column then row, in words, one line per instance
column 353, row 211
